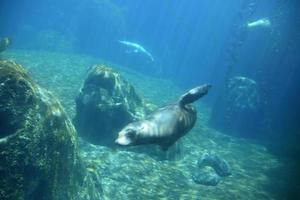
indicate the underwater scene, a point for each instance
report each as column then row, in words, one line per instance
column 149, row 100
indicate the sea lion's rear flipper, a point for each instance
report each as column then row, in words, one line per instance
column 194, row 94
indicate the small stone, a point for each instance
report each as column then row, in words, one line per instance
column 207, row 177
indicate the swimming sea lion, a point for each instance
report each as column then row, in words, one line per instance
column 137, row 48
column 166, row 125
column 264, row 22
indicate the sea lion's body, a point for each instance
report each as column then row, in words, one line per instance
column 166, row 125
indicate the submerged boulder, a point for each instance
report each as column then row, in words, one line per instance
column 238, row 109
column 211, row 168
column 243, row 93
column 219, row 165
column 105, row 104
column 38, row 146
column 206, row 176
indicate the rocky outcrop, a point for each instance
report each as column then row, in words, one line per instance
column 243, row 93
column 105, row 104
column 38, row 146
column 238, row 109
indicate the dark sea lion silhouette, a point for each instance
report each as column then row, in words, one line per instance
column 166, row 125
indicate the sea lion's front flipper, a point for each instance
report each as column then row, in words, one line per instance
column 194, row 94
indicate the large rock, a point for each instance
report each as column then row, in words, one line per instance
column 238, row 109
column 105, row 104
column 38, row 146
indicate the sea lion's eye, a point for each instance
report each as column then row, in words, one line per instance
column 130, row 133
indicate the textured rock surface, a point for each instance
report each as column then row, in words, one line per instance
column 211, row 159
column 38, row 149
column 243, row 93
column 239, row 108
column 105, row 104
column 211, row 169
column 128, row 175
column 206, row 176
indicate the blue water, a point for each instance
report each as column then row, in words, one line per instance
column 191, row 42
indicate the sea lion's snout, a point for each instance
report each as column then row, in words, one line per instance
column 126, row 136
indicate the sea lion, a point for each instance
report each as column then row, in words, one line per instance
column 137, row 48
column 264, row 22
column 166, row 125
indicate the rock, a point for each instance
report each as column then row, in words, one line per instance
column 211, row 159
column 4, row 43
column 243, row 93
column 238, row 110
column 38, row 146
column 211, row 169
column 105, row 104
column 206, row 176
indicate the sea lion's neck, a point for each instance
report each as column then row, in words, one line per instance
column 147, row 131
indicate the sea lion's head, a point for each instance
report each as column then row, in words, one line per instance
column 128, row 135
